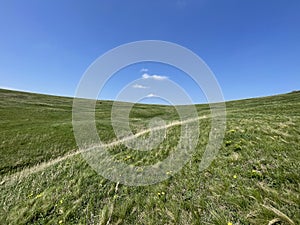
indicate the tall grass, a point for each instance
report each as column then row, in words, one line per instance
column 253, row 180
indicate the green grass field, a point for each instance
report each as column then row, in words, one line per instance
column 255, row 178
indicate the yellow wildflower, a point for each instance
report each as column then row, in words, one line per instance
column 39, row 195
column 169, row 172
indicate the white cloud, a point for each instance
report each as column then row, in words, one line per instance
column 144, row 70
column 139, row 86
column 151, row 95
column 154, row 77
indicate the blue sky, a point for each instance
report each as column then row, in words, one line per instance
column 253, row 47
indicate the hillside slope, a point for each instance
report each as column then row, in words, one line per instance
column 255, row 178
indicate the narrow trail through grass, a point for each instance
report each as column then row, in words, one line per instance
column 42, row 166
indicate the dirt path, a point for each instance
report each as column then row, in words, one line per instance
column 39, row 167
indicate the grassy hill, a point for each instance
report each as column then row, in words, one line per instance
column 255, row 179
